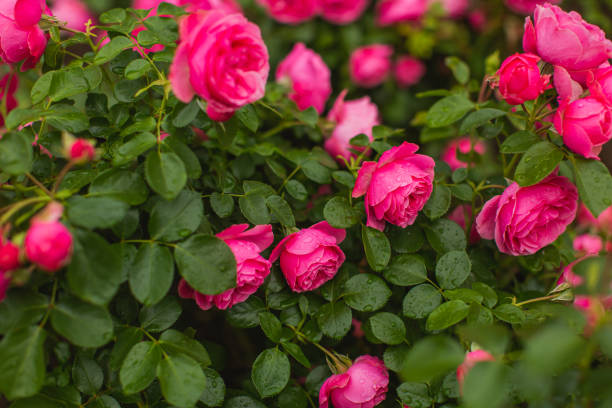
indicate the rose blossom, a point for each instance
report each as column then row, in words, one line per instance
column 398, row 11
column 309, row 77
column 290, row 11
column 8, row 87
column 341, row 11
column 588, row 244
column 311, row 256
column 523, row 220
column 221, row 58
column 408, row 71
column 48, row 243
column 585, row 124
column 9, row 255
column 352, row 118
column 520, row 79
column 370, row 65
column 464, row 146
column 251, row 267
column 363, row 385
column 20, row 37
column 73, row 12
column 469, row 362
column 396, row 187
column 603, row 222
column 82, row 151
column 600, row 84
column 527, row 6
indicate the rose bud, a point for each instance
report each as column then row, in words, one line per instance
column 520, row 79
column 469, row 362
column 309, row 77
column 9, row 255
column 527, row 6
column 341, row 11
column 585, row 124
column 290, row 12
column 74, row 12
column 8, row 87
column 478, row 20
column 251, row 267
column 524, row 220
column 21, row 39
column 363, row 385
column 352, row 118
column 396, row 187
column 463, row 146
column 587, row 244
column 221, row 58
column 370, row 65
column 310, row 257
column 398, row 11
column 81, row 151
column 48, row 243
column 408, row 71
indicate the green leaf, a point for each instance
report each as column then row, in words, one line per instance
column 316, row 172
column 446, row 235
column 538, row 162
column 461, row 71
column 247, row 115
column 189, row 158
column 207, row 264
column 42, row 86
column 366, row 292
column 431, row 357
column 281, row 210
column 489, row 295
column 270, row 372
column 464, row 294
column 112, row 49
column 406, row 270
column 127, row 338
column 67, row 83
column 377, row 247
column 293, row 397
column 214, row 393
column 151, row 274
column 486, row 385
column 113, row 16
column 222, row 204
column 166, row 174
column 160, row 316
column 87, row 375
column 446, row 315
column 388, row 328
column 174, row 220
column 15, row 153
column 83, row 324
column 339, row 213
column 406, row 240
column 68, row 118
column 121, row 184
column 309, row 116
column 134, row 147
column 254, row 209
column 334, row 319
column 181, row 379
column 552, row 349
column 243, row 402
column 420, row 301
column 480, row 117
column 360, row 140
column 271, row 326
column 448, row 110
column 509, row 313
column 519, row 142
column 439, row 202
column 173, row 341
column 164, row 28
column 137, row 68
column 22, row 363
column 594, row 184
column 296, row 190
column 246, row 314
column 414, row 395
column 452, row 269
column 96, row 212
column 296, row 352
column 21, row 308
column 185, row 114
column 140, row 126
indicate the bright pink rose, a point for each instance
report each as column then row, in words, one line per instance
column 603, row 222
column 520, row 79
column 8, row 87
column 588, row 244
column 73, row 12
column 290, row 12
column 397, row 187
column 523, row 220
column 352, row 118
column 363, row 385
column 527, row 6
column 82, row 151
column 221, row 58
column 453, row 8
column 311, row 256
column 469, row 362
column 463, row 146
column 398, row 11
column 600, row 84
column 9, row 255
column 459, row 214
column 5, row 282
column 370, row 65
column 565, row 39
column 48, row 243
column 342, row 11
column 309, row 77
column 251, row 267
column 20, row 37
column 408, row 71
column 585, row 124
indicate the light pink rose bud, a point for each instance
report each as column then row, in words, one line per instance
column 8, row 87
column 20, row 37
column 398, row 11
column 73, row 12
column 310, row 78
column 527, row 6
column 469, row 362
column 290, row 12
column 464, row 146
column 9, row 255
column 369, row 66
column 587, row 244
column 396, row 187
column 48, row 243
column 251, row 267
column 352, row 118
column 459, row 214
column 311, row 256
column 520, row 79
column 523, row 220
column 342, row 11
column 221, row 58
column 453, row 8
column 363, row 385
column 585, row 124
column 408, row 71
column 82, row 151
column 600, row 84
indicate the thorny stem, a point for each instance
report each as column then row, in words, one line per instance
column 39, row 184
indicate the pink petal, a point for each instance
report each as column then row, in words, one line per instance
column 565, row 85
column 28, row 12
column 485, row 222
column 179, row 75
column 337, row 233
column 363, row 178
column 399, row 152
column 529, row 38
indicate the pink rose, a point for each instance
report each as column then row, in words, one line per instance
column 520, row 79
column 408, row 71
column 398, row 11
column 600, row 84
column 523, row 220
column 469, row 362
column 251, row 267
column 221, row 58
column 603, row 222
column 397, row 187
column 9, row 255
column 453, row 8
column 82, row 151
column 459, row 214
column 352, row 118
column 309, row 77
column 342, row 11
column 73, row 12
column 8, row 87
column 588, row 244
column 585, row 124
column 363, row 385
column 370, row 65
column 565, row 39
column 20, row 37
column 291, row 11
column 48, row 243
column 527, row 6
column 463, row 146
column 311, row 256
